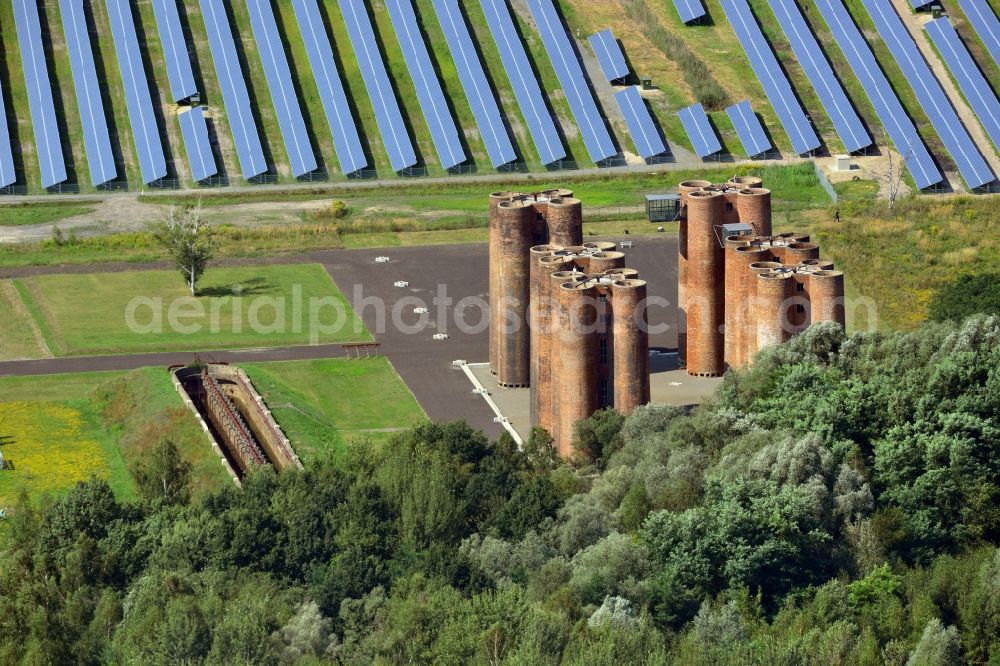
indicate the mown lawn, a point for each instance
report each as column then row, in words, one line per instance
column 325, row 405
column 236, row 307
column 16, row 338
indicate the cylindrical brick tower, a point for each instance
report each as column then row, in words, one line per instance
column 754, row 207
column 773, row 291
column 745, row 182
column 741, row 290
column 545, row 309
column 575, row 387
column 543, row 392
column 631, row 344
column 796, row 253
column 601, row 262
column 495, row 199
column 684, row 189
column 753, row 311
column 600, row 246
column 511, row 238
column 826, row 295
column 565, row 221
column 538, row 307
column 705, row 276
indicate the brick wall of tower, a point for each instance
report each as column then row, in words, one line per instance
column 683, row 190
column 575, row 389
column 512, row 239
column 705, row 289
column 630, row 337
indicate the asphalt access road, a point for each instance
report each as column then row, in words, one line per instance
column 423, row 363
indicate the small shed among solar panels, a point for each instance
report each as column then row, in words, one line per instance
column 663, row 207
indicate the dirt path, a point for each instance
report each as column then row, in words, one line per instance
column 915, row 26
column 21, row 310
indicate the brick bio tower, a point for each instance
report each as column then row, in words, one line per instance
column 740, row 288
column 567, row 318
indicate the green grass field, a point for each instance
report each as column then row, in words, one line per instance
column 325, row 405
column 60, row 429
column 239, row 307
column 13, row 215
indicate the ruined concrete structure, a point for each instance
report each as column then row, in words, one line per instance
column 239, row 425
column 741, row 288
column 567, row 318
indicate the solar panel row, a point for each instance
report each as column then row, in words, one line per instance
column 96, row 138
column 986, row 23
column 588, row 118
column 887, row 106
column 346, row 141
column 647, row 139
column 970, row 79
column 523, row 81
column 180, row 74
column 380, row 91
column 772, row 78
column 292, row 125
column 431, row 97
column 8, row 176
column 917, row 4
column 194, row 130
column 142, row 118
column 699, row 130
column 477, row 88
column 748, row 128
column 929, row 93
column 689, row 10
column 234, row 88
column 609, row 55
column 817, row 68
column 48, row 146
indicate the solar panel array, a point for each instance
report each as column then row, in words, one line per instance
column 194, row 130
column 523, row 81
column 647, row 139
column 776, row 86
column 96, row 138
column 986, row 23
column 929, row 94
column 748, row 128
column 8, row 176
column 138, row 101
column 557, row 44
column 974, row 85
column 474, row 82
column 48, row 145
column 609, row 55
column 180, row 74
column 433, row 101
column 817, row 68
column 887, row 106
column 689, row 10
column 380, row 92
column 301, row 158
column 234, row 88
column 346, row 140
column 699, row 130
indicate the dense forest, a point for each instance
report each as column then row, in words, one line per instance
column 836, row 504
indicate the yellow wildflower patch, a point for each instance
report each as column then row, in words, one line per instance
column 47, row 444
